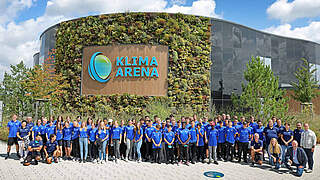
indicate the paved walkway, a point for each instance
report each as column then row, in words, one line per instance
column 13, row 169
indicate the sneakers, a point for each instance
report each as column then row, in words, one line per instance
column 252, row 164
column 18, row 155
column 101, row 161
column 35, row 162
column 6, row 157
column 216, row 162
column 309, row 171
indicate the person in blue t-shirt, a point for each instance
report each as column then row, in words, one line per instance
column 83, row 142
column 221, row 153
column 297, row 133
column 244, row 137
column 102, row 137
column 51, row 149
column 156, row 138
column 231, row 133
column 116, row 137
column 286, row 139
column 193, row 142
column 184, row 137
column 256, row 150
column 23, row 134
column 67, row 133
column 13, row 126
column 259, row 130
column 252, row 123
column 92, row 148
column 169, row 141
column 237, row 125
column 34, row 149
column 280, row 128
column 128, row 136
column 50, row 129
column 270, row 132
column 43, row 128
column 212, row 139
column 200, row 143
column 30, row 125
column 75, row 146
column 36, row 129
column 138, row 134
column 59, row 136
column 148, row 133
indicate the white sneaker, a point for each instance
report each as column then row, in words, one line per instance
column 126, row 159
column 101, row 161
column 21, row 159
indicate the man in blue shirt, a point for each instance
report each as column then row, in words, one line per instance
column 253, row 124
column 169, row 141
column 51, row 149
column 34, row 151
column 259, row 130
column 212, row 139
column 156, row 144
column 183, row 139
column 231, row 133
column 193, row 142
column 148, row 133
column 30, row 125
column 13, row 127
column 256, row 150
column 221, row 141
column 244, row 137
column 297, row 133
column 270, row 132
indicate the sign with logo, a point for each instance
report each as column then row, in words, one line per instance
column 119, row 69
column 213, row 174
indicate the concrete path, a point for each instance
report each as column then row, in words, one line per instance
column 13, row 169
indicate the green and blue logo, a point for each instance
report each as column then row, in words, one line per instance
column 100, row 67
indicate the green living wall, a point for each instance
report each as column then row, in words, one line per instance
column 188, row 39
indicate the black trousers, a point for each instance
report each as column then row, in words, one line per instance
column 156, row 155
column 243, row 148
column 149, row 151
column 229, row 150
column 236, row 148
column 123, row 148
column 92, row 151
column 184, row 155
column 75, row 148
column 310, row 157
column 221, row 153
column 143, row 149
column 169, row 152
column 192, row 151
column 44, row 141
column 200, row 153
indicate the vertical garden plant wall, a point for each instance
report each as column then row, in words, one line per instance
column 188, row 40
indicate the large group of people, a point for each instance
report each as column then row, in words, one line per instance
column 187, row 140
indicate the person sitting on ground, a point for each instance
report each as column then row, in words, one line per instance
column 51, row 149
column 275, row 153
column 34, row 151
column 256, row 150
column 295, row 156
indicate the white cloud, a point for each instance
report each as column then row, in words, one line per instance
column 310, row 32
column 289, row 11
column 19, row 41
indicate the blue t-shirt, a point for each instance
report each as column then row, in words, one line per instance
column 156, row 136
column 23, row 132
column 116, row 132
column 129, row 132
column 50, row 130
column 244, row 134
column 67, row 133
column 34, row 144
column 59, row 135
column 193, row 133
column 169, row 136
column 149, row 131
column 13, row 128
column 270, row 133
column 254, row 125
column 84, row 133
column 137, row 136
column 212, row 137
column 103, row 133
column 260, row 132
column 36, row 131
column 221, row 134
column 287, row 136
column 76, row 132
column 92, row 134
column 280, row 129
column 238, row 126
column 257, row 145
column 201, row 136
column 297, row 135
column 43, row 128
column 188, row 126
column 51, row 146
column 230, row 134
column 184, row 135
column 30, row 125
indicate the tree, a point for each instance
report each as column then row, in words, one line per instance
column 261, row 94
column 305, row 89
column 14, row 93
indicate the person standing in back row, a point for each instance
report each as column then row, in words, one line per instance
column 13, row 126
column 308, row 143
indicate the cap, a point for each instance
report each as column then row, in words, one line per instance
column 110, row 120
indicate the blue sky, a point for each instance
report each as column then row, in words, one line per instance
column 22, row 21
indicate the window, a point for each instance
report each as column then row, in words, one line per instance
column 266, row 61
column 317, row 72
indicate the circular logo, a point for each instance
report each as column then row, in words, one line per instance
column 213, row 174
column 100, row 67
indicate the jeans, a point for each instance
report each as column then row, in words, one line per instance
column 137, row 146
column 83, row 142
column 310, row 157
column 284, row 150
column 22, row 148
column 129, row 144
column 192, row 151
column 276, row 164
column 102, row 150
column 299, row 170
column 243, row 148
column 212, row 153
column 116, row 146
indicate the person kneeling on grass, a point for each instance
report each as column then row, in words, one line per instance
column 256, row 150
column 51, row 149
column 296, row 156
column 34, row 151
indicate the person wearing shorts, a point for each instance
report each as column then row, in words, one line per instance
column 256, row 150
column 67, row 133
column 51, row 149
column 13, row 126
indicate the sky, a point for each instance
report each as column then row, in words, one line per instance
column 23, row 21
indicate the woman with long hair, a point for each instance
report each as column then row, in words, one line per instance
column 102, row 139
column 83, row 142
column 116, row 139
column 275, row 153
column 138, row 134
column 59, row 136
column 67, row 133
column 93, row 151
column 128, row 138
column 75, row 150
column 23, row 134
